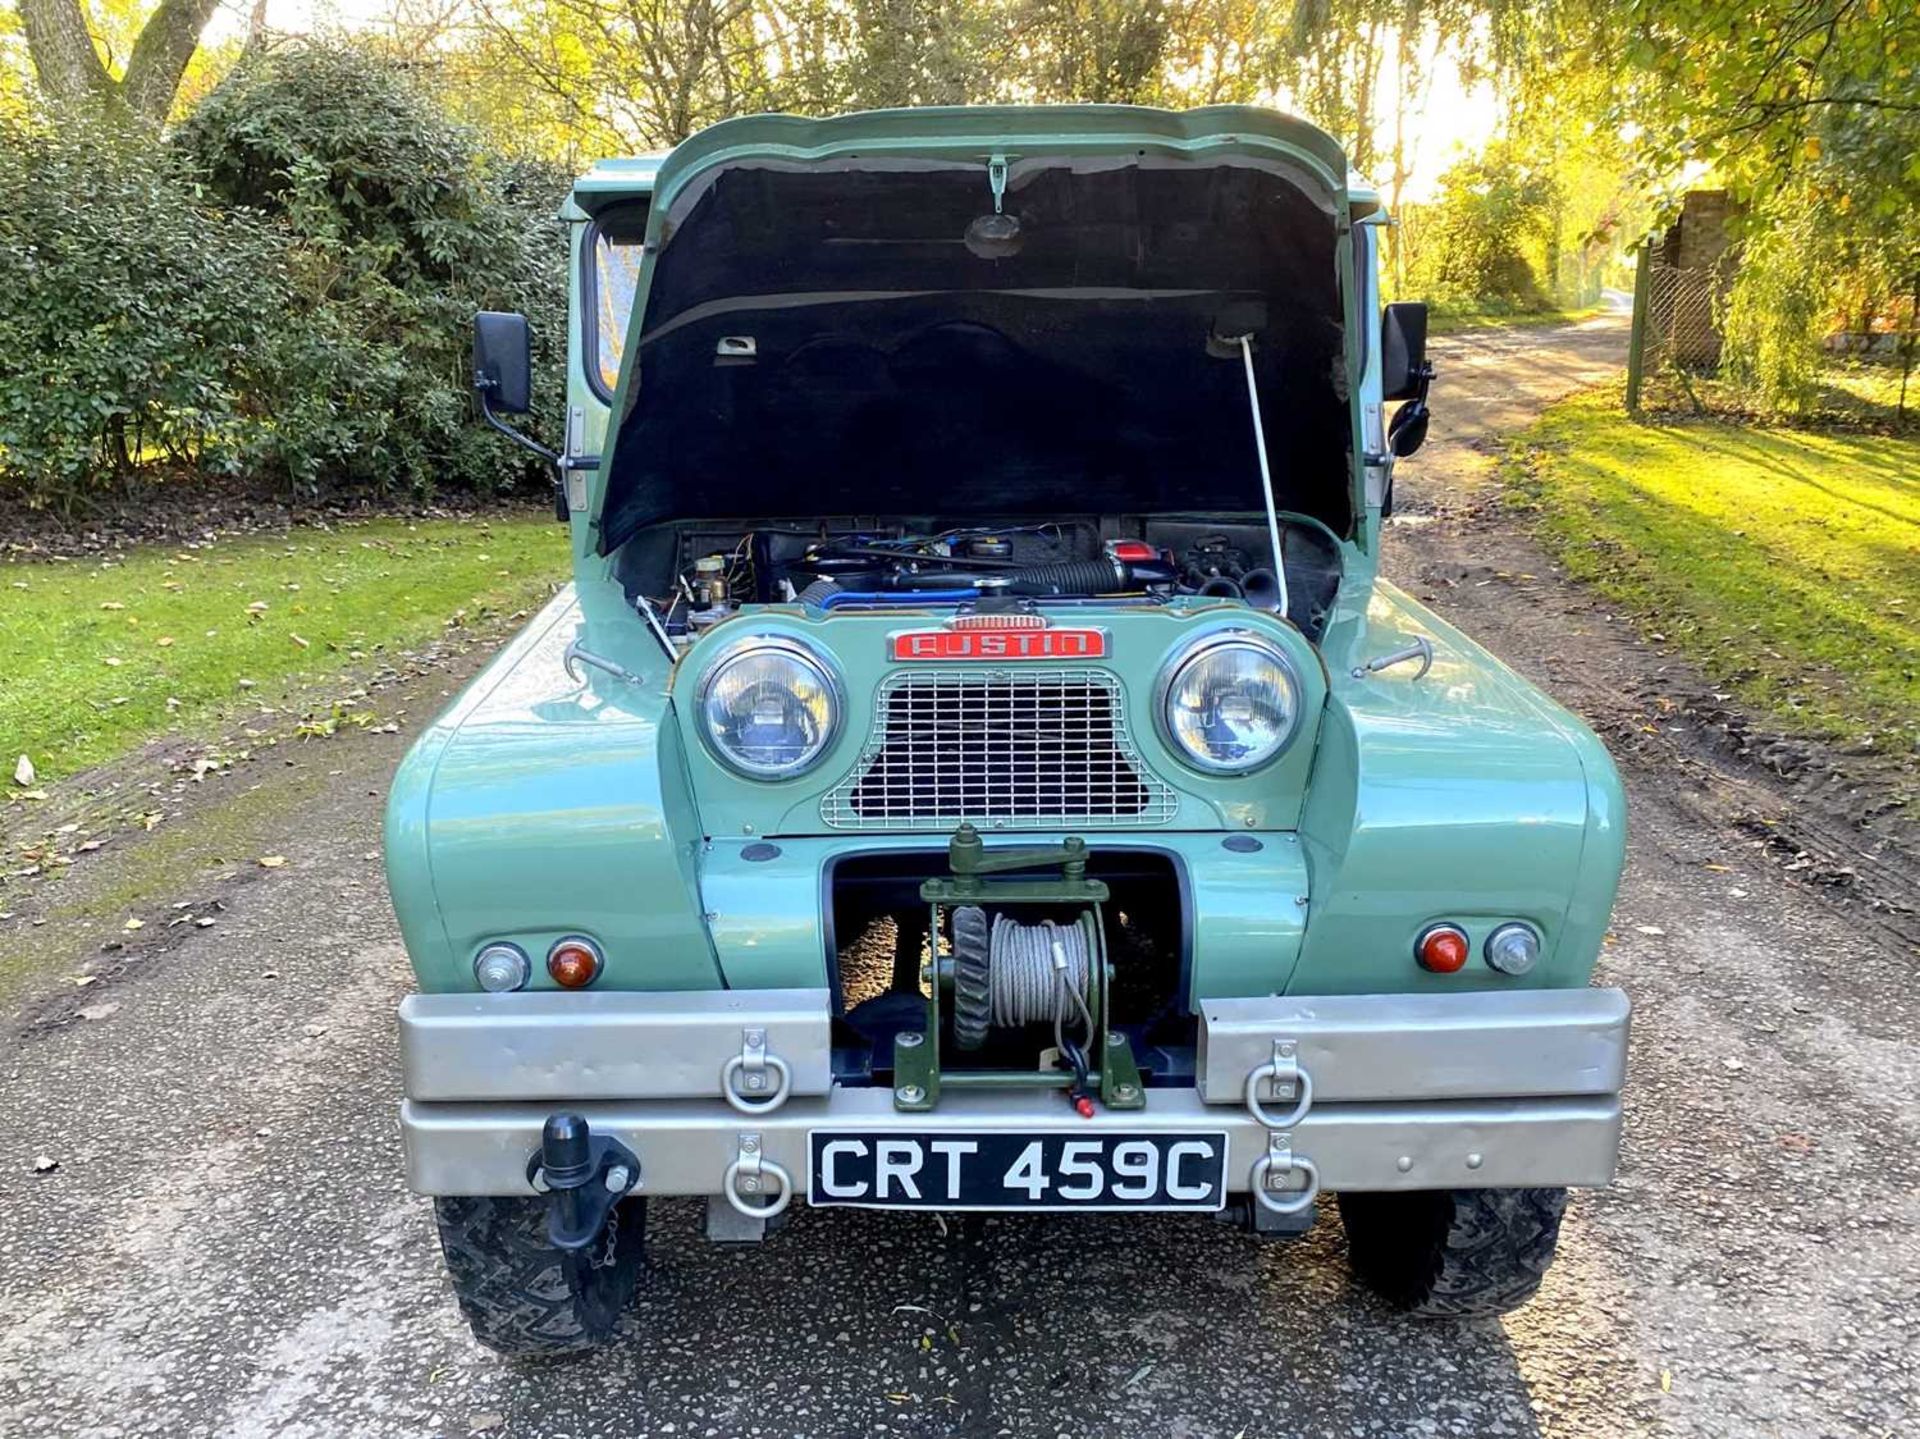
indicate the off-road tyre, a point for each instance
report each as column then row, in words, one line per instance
column 520, row 1295
column 1453, row 1253
column 972, row 996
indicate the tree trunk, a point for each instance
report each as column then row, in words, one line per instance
column 160, row 56
column 64, row 60
column 70, row 70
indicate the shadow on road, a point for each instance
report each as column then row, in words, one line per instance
column 867, row 1323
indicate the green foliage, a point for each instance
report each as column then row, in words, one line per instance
column 1777, row 314
column 129, row 312
column 1490, row 239
column 397, row 228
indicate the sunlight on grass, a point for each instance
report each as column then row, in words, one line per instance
column 1444, row 319
column 1787, row 563
column 99, row 655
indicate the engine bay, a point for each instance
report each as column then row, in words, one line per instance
column 695, row 574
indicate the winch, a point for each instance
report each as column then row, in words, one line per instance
column 1011, row 948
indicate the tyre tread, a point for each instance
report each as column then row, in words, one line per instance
column 519, row 1294
column 1454, row 1254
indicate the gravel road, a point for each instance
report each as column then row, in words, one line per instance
column 225, row 1247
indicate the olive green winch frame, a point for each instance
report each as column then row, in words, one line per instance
column 917, row 1071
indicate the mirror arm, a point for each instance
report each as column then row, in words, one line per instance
column 483, row 387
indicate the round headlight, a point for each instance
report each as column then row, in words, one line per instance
column 1513, row 948
column 1230, row 703
column 768, row 708
column 501, row 967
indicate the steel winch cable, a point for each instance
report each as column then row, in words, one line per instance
column 1039, row 972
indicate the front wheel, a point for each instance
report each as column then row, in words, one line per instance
column 520, row 1294
column 1453, row 1253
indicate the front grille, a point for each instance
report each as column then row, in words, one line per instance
column 1007, row 751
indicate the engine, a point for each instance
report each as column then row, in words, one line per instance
column 1146, row 562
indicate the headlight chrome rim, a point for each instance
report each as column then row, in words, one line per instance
column 1198, row 649
column 794, row 649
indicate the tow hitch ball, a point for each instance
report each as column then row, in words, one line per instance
column 583, row 1175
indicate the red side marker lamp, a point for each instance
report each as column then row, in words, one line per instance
column 1443, row 948
column 574, row 962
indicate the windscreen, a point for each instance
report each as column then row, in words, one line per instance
column 874, row 337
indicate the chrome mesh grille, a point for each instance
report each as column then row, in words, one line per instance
column 1021, row 750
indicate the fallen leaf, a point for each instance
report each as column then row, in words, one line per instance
column 100, row 1011
column 1666, row 1381
column 165, row 642
column 112, row 661
column 258, row 607
column 313, row 1031
column 304, row 644
column 81, row 981
column 45, row 1164
column 23, row 771
column 111, row 605
column 206, row 922
column 484, row 1423
column 134, row 924
column 1652, row 929
column 272, row 861
column 90, row 846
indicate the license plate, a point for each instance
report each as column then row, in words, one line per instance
column 1017, row 1169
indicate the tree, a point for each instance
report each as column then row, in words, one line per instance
column 72, row 72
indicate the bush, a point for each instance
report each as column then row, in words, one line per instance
column 398, row 228
column 284, row 291
column 128, row 311
column 1489, row 240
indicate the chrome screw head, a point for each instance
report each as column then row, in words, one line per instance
column 909, row 1094
column 619, row 1179
column 911, row 1039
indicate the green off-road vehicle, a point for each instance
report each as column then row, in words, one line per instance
column 976, row 765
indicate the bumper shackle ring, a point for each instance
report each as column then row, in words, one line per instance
column 759, row 1165
column 1293, row 1203
column 777, row 1096
column 1291, row 1119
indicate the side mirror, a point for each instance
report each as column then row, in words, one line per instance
column 503, row 362
column 1408, row 430
column 1403, row 351
column 503, row 382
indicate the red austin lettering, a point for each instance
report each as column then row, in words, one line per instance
column 1000, row 645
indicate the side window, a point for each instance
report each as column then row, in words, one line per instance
column 613, row 261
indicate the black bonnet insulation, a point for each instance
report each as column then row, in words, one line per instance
column 873, row 338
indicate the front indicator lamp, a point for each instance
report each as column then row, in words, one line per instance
column 574, row 962
column 1442, row 949
column 1230, row 703
column 501, row 968
column 1513, row 949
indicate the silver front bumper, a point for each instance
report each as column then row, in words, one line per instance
column 1492, row 1090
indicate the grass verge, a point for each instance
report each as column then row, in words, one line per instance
column 1785, row 562
column 1451, row 320
column 98, row 656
